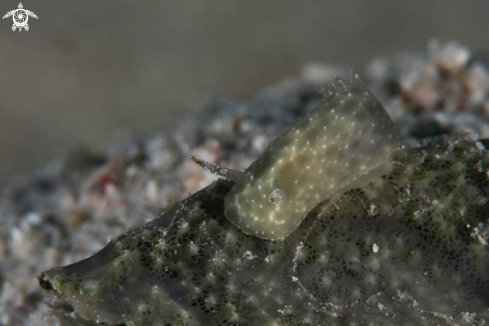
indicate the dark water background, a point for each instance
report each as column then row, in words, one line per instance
column 87, row 69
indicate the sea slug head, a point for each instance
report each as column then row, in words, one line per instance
column 344, row 143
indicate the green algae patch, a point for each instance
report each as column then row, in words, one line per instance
column 409, row 248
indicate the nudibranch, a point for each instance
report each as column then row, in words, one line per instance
column 345, row 142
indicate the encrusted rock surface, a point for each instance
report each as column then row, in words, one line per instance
column 410, row 248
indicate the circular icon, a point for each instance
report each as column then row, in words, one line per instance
column 20, row 17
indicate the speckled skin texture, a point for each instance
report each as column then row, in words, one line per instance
column 406, row 249
column 345, row 137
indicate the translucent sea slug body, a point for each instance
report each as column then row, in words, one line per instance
column 408, row 249
column 344, row 143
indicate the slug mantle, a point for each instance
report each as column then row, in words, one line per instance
column 344, row 143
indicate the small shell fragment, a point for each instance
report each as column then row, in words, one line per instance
column 375, row 248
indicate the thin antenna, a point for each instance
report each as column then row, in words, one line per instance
column 233, row 175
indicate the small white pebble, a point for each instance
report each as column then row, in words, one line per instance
column 480, row 146
column 375, row 248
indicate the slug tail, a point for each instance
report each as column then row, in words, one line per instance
column 233, row 175
column 339, row 85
